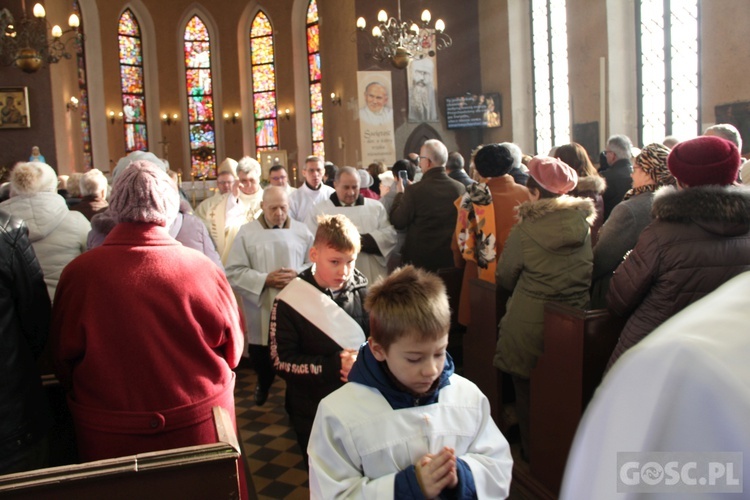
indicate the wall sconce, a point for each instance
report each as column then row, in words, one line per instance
column 111, row 115
column 286, row 114
column 231, row 118
column 73, row 104
column 169, row 120
column 335, row 99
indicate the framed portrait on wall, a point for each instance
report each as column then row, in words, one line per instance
column 14, row 107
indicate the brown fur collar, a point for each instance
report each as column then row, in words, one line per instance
column 535, row 210
column 591, row 183
column 729, row 204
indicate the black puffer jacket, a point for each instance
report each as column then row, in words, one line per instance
column 24, row 326
column 306, row 357
column 700, row 238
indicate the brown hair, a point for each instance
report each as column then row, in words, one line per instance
column 409, row 301
column 543, row 193
column 337, row 232
column 576, row 157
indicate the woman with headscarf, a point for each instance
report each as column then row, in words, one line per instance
column 621, row 230
column 145, row 332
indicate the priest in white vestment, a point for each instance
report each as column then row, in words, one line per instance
column 311, row 192
column 266, row 255
column 378, row 235
column 683, row 391
column 225, row 214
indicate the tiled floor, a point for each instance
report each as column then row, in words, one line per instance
column 269, row 443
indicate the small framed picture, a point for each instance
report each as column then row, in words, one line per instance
column 14, row 107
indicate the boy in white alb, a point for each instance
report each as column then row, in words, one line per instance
column 406, row 426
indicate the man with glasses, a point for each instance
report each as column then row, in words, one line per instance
column 618, row 154
column 277, row 176
column 427, row 212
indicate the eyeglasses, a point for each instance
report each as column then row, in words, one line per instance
column 225, row 183
column 279, row 178
column 424, row 158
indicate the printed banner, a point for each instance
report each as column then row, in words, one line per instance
column 376, row 117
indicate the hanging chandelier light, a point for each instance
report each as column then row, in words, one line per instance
column 401, row 41
column 30, row 43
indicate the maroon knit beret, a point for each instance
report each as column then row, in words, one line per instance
column 553, row 174
column 144, row 193
column 704, row 160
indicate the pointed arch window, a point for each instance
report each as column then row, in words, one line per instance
column 315, row 77
column 132, row 83
column 83, row 100
column 549, row 42
column 668, row 62
column 199, row 83
column 264, row 84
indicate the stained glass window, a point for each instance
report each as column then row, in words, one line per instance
column 199, row 83
column 264, row 84
column 83, row 100
column 131, row 83
column 315, row 77
column 549, row 41
column 668, row 96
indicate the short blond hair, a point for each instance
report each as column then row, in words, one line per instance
column 411, row 301
column 337, row 232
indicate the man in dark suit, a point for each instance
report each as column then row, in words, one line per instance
column 427, row 212
column 617, row 175
column 455, row 169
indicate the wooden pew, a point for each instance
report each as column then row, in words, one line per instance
column 577, row 346
column 195, row 472
column 487, row 308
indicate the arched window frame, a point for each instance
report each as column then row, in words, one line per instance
column 83, row 100
column 315, row 77
column 203, row 159
column 264, row 94
column 133, row 86
column 549, row 43
column 668, row 69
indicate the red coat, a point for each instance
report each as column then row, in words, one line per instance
column 145, row 333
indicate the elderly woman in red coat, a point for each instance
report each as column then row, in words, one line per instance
column 145, row 331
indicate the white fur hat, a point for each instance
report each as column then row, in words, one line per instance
column 33, row 177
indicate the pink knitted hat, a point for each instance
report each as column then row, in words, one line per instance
column 553, row 174
column 144, row 193
column 704, row 160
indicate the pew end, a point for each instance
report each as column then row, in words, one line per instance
column 194, row 472
column 577, row 346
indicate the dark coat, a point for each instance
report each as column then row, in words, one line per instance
column 619, row 182
column 24, row 326
column 90, row 206
column 700, row 238
column 616, row 238
column 461, row 176
column 296, row 342
column 427, row 212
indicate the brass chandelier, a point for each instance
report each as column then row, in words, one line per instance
column 401, row 41
column 30, row 43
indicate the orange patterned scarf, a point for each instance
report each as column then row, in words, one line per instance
column 475, row 229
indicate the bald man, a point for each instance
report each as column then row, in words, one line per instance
column 266, row 255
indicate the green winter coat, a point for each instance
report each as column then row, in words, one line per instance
column 547, row 257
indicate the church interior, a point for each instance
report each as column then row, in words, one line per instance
column 187, row 81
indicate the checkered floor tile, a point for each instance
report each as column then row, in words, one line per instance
column 269, row 443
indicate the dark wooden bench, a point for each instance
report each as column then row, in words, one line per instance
column 195, row 472
column 487, row 308
column 577, row 346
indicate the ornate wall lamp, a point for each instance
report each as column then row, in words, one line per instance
column 111, row 115
column 232, row 118
column 72, row 105
column 169, row 119
column 335, row 99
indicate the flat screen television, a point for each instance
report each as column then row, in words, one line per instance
column 474, row 111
